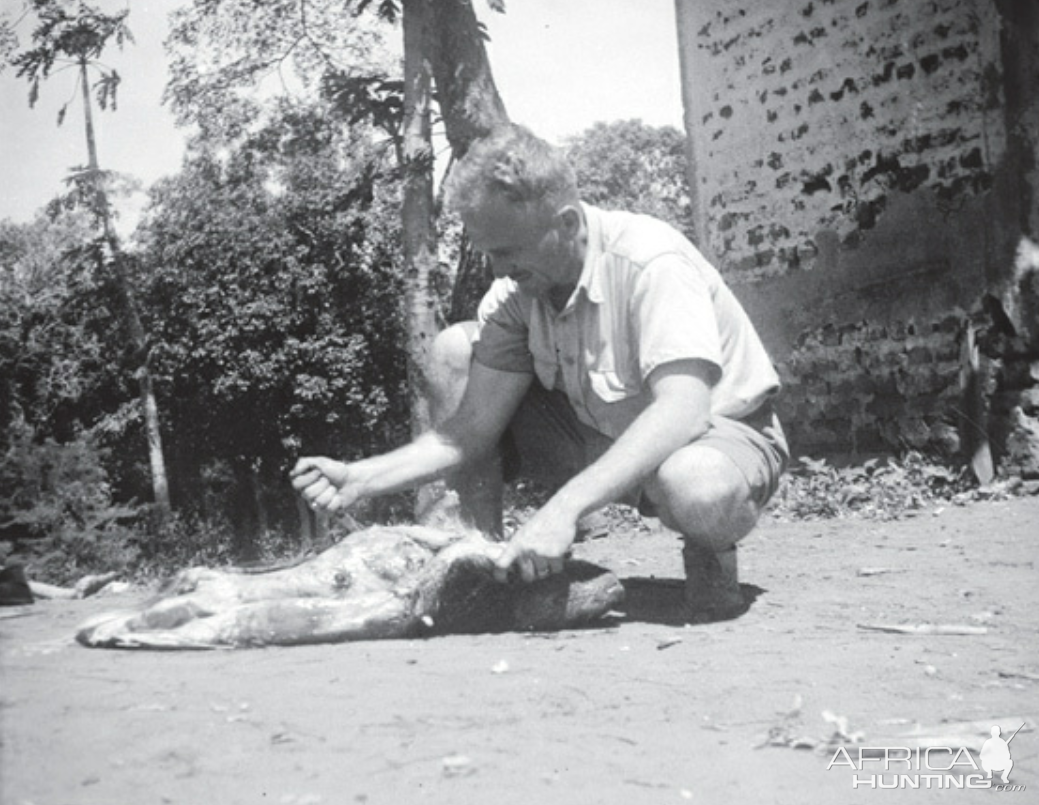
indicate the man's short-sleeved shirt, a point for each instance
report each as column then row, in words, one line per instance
column 646, row 297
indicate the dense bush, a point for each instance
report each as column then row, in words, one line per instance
column 57, row 513
column 271, row 281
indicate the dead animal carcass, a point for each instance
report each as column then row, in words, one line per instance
column 382, row 582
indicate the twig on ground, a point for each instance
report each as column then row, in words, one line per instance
column 924, row 628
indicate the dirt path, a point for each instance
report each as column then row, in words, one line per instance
column 645, row 710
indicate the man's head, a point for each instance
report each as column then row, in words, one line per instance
column 518, row 199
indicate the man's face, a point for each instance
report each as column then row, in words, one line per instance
column 533, row 250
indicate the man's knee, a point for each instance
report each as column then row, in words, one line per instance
column 452, row 349
column 700, row 492
column 448, row 371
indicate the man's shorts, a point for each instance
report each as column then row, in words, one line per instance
column 546, row 442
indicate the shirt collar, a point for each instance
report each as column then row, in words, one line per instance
column 591, row 279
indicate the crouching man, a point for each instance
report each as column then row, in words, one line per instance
column 615, row 363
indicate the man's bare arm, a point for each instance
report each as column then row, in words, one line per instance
column 679, row 413
column 490, row 400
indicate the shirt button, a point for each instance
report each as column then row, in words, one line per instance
column 569, row 360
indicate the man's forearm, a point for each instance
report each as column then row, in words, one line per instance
column 429, row 457
column 432, row 455
column 491, row 398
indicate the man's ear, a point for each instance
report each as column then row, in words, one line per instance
column 570, row 220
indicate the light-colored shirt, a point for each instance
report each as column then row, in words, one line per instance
column 646, row 297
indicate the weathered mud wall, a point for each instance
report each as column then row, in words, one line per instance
column 864, row 173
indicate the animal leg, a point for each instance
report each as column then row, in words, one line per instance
column 281, row 622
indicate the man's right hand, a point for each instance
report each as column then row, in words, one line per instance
column 325, row 483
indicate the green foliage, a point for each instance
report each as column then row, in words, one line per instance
column 60, row 345
column 183, row 540
column 627, row 165
column 374, row 99
column 883, row 490
column 228, row 59
column 8, row 42
column 80, row 37
column 386, row 10
column 82, row 193
column 57, row 508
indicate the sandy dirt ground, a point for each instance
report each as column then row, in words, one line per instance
column 639, row 709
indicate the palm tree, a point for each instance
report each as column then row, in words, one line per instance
column 78, row 39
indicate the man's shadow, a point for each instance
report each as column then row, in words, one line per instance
column 655, row 600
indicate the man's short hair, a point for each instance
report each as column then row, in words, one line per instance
column 517, row 166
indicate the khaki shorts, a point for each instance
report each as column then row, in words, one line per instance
column 546, row 442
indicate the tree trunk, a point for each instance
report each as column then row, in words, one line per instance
column 441, row 37
column 419, row 221
column 153, row 432
column 418, row 214
column 471, row 108
column 469, row 101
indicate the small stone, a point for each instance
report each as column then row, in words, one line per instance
column 457, row 765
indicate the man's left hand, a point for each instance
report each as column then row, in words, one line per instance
column 538, row 549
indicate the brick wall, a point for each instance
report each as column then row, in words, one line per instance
column 863, row 174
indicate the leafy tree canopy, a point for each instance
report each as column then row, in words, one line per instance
column 60, row 349
column 71, row 34
column 227, row 58
column 631, row 166
column 272, row 280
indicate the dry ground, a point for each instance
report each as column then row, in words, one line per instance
column 643, row 710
